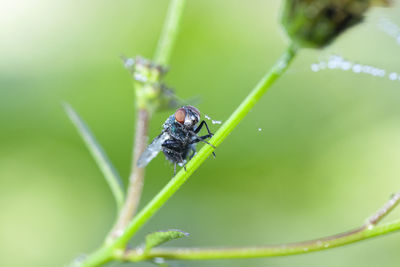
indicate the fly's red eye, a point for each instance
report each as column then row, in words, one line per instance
column 180, row 115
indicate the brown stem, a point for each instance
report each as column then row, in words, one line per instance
column 382, row 212
column 136, row 177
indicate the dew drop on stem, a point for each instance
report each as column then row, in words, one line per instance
column 335, row 62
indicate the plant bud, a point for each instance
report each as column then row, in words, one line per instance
column 316, row 23
column 151, row 93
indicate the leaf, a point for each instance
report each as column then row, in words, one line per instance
column 157, row 238
column 112, row 177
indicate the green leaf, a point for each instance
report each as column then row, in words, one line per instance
column 157, row 238
column 112, row 177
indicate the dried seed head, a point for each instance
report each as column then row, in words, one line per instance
column 316, row 23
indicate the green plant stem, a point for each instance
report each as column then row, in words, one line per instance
column 136, row 177
column 98, row 258
column 169, row 33
column 356, row 235
column 110, row 173
column 142, row 217
column 366, row 231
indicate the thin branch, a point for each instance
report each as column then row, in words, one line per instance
column 267, row 251
column 136, row 177
column 385, row 210
column 169, row 33
column 366, row 231
column 110, row 173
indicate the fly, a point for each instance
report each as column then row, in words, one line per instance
column 178, row 138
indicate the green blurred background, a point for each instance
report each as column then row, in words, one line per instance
column 327, row 155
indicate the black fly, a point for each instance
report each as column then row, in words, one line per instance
column 178, row 138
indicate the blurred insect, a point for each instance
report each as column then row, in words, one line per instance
column 178, row 138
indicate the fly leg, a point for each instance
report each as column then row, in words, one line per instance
column 171, row 156
column 175, row 162
column 201, row 126
column 174, row 169
column 183, row 162
column 201, row 139
column 193, row 150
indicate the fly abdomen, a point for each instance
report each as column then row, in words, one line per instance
column 175, row 150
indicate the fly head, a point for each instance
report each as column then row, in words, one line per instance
column 187, row 116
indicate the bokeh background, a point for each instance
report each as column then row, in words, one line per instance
column 327, row 155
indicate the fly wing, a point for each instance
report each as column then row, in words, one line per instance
column 152, row 150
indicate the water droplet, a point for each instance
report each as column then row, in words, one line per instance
column 393, row 76
column 337, row 62
column 305, row 249
column 390, row 28
column 140, row 78
column 357, row 68
column 315, row 67
column 370, row 227
column 333, row 64
column 78, row 260
column 326, row 245
column 159, row 260
column 139, row 251
column 129, row 62
column 346, row 65
column 259, row 129
column 367, row 69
